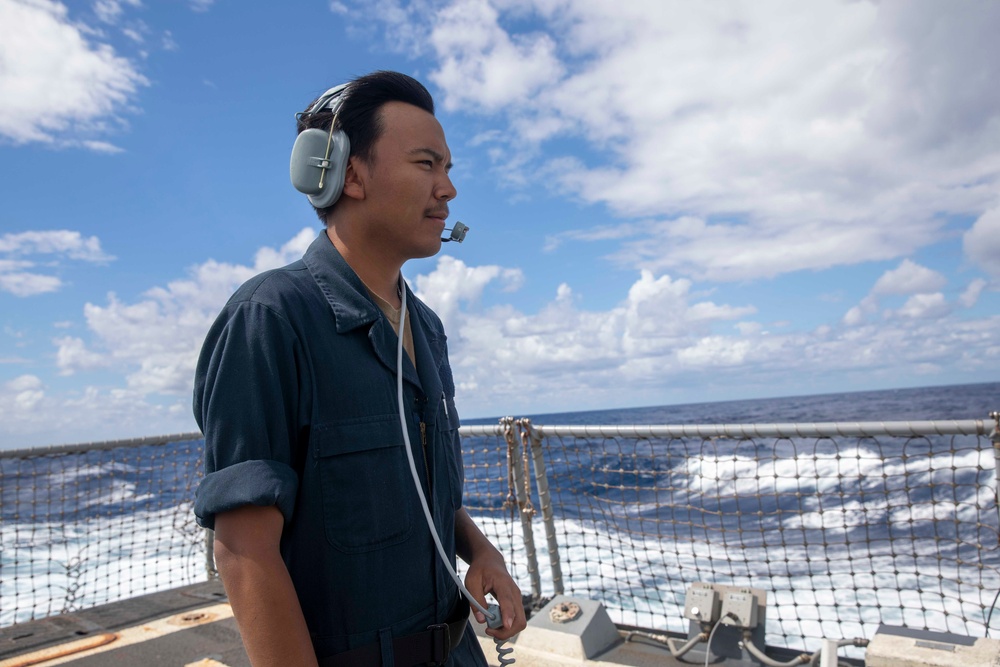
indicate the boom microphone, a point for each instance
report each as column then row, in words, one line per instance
column 458, row 233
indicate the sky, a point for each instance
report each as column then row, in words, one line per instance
column 669, row 202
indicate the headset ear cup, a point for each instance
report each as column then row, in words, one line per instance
column 307, row 161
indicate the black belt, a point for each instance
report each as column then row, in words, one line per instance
column 430, row 647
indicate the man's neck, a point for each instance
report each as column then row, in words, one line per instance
column 377, row 272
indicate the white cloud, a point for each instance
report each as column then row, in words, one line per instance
column 201, row 5
column 653, row 349
column 971, row 294
column 73, row 355
column 982, row 241
column 453, row 283
column 661, row 343
column 927, row 306
column 791, row 135
column 57, row 83
column 110, row 11
column 97, row 146
column 269, row 258
column 861, row 312
column 23, row 383
column 22, row 284
column 155, row 341
column 134, row 34
column 34, row 416
column 150, row 344
column 61, row 243
column 732, row 252
column 482, row 65
column 567, row 354
column 25, row 391
column 11, row 265
column 598, row 233
column 909, row 278
column 715, row 351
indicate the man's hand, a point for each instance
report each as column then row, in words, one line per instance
column 488, row 574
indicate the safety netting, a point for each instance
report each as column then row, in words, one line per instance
column 844, row 526
column 89, row 524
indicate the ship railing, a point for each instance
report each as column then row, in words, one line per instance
column 844, row 526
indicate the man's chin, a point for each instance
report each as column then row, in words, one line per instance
column 428, row 249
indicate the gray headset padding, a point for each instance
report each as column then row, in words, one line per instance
column 306, row 165
column 307, row 161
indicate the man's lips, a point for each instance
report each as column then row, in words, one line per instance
column 439, row 214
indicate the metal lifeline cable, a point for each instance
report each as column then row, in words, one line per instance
column 492, row 613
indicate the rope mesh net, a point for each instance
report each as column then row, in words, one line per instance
column 842, row 533
column 491, row 501
column 97, row 525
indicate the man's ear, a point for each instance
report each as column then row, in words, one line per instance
column 354, row 179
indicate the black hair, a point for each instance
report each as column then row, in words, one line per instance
column 360, row 114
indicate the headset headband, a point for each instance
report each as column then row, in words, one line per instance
column 331, row 99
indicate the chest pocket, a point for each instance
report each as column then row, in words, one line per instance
column 365, row 482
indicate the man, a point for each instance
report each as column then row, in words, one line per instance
column 320, row 539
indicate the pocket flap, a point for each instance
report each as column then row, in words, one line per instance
column 357, row 435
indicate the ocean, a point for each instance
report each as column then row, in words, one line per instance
column 967, row 401
column 636, row 522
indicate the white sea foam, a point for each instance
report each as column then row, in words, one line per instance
column 49, row 568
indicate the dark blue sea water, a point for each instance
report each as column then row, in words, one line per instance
column 85, row 475
column 967, row 401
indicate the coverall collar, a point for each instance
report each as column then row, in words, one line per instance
column 353, row 308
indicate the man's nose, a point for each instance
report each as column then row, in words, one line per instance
column 446, row 189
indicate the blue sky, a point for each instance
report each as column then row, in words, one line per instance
column 670, row 202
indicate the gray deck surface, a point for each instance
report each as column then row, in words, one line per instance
column 195, row 639
column 219, row 640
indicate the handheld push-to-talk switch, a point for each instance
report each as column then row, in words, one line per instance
column 495, row 621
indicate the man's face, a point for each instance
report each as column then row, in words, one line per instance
column 407, row 188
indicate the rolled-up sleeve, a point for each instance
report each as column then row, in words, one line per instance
column 247, row 403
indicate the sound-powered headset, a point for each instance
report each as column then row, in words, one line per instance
column 319, row 159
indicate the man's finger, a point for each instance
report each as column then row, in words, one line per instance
column 474, row 584
column 511, row 608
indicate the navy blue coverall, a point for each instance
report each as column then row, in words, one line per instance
column 295, row 392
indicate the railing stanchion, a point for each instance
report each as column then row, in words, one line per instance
column 210, row 554
column 524, row 509
column 545, row 500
